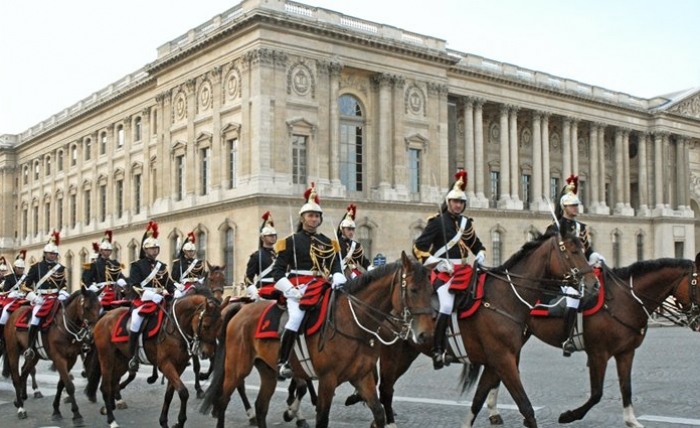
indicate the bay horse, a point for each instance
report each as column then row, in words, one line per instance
column 493, row 335
column 387, row 303
column 62, row 341
column 631, row 294
column 190, row 326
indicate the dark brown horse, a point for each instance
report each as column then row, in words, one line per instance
column 631, row 295
column 493, row 335
column 190, row 326
column 389, row 302
column 62, row 340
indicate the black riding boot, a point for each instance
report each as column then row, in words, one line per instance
column 287, row 343
column 2, row 338
column 133, row 349
column 31, row 340
column 569, row 323
column 439, row 341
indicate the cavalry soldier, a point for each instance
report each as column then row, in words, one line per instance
column 445, row 243
column 260, row 262
column 45, row 282
column 353, row 261
column 3, row 272
column 104, row 274
column 187, row 271
column 566, row 213
column 12, row 291
column 149, row 277
column 304, row 259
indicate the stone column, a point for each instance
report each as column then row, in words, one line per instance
column 505, row 165
column 593, row 182
column 538, row 203
column 643, row 176
column 479, row 153
column 603, row 206
column 334, row 69
column 658, row 173
column 514, row 158
column 619, row 171
column 574, row 147
column 545, row 156
column 383, row 81
column 469, row 148
column 681, row 176
column 400, row 155
column 566, row 147
column 627, row 209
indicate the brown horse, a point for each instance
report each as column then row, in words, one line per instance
column 63, row 341
column 191, row 324
column 493, row 335
column 631, row 295
column 389, row 302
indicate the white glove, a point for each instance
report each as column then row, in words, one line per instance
column 253, row 292
column 63, row 295
column 338, row 280
column 480, row 258
column 179, row 286
column 32, row 297
column 121, row 282
column 288, row 289
column 370, row 267
column 596, row 259
column 93, row 287
column 445, row 266
column 431, row 260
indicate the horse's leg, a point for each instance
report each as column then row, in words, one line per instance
column 35, row 385
column 313, row 397
column 119, row 401
column 487, row 383
column 110, row 383
column 196, row 367
column 395, row 361
column 63, row 367
column 492, row 406
column 268, row 382
column 326, row 389
column 56, row 416
column 19, row 380
column 174, row 384
column 250, row 413
column 597, row 365
column 367, row 387
column 297, row 389
column 510, row 376
column 624, row 374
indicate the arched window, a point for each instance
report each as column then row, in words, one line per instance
column 616, row 247
column 352, row 138
column 364, row 237
column 496, row 248
column 202, row 245
column 69, row 271
column 228, row 255
column 640, row 247
column 134, row 251
column 175, row 249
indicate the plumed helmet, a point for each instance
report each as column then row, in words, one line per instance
column 570, row 192
column 313, row 202
column 19, row 260
column 268, row 226
column 52, row 245
column 349, row 218
column 106, row 243
column 3, row 264
column 458, row 187
column 150, row 237
column 95, row 250
column 189, row 243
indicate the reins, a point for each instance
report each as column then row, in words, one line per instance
column 81, row 333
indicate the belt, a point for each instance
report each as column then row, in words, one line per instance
column 44, row 291
column 156, row 289
column 305, row 272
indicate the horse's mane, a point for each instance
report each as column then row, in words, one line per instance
column 360, row 282
column 527, row 249
column 203, row 291
column 77, row 294
column 646, row 266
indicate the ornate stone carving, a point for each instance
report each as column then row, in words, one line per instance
column 583, row 147
column 179, row 111
column 554, row 140
column 164, row 97
column 495, row 133
column 688, row 108
column 414, row 99
column 205, row 96
column 190, row 85
column 232, row 85
column 526, row 137
column 145, row 114
column 354, row 82
column 382, row 80
column 301, row 80
column 261, row 57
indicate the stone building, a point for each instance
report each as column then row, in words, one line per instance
column 238, row 115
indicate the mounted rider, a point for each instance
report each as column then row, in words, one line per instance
column 566, row 213
column 188, row 271
column 305, row 259
column 353, row 260
column 13, row 292
column 103, row 274
column 150, row 278
column 45, row 282
column 445, row 243
column 258, row 271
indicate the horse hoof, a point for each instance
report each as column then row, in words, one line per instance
column 78, row 422
column 566, row 417
column 121, row 405
column 200, row 395
column 103, row 411
column 22, row 414
column 66, row 399
column 92, row 398
column 114, row 424
column 56, row 417
column 353, row 399
column 287, row 416
column 301, row 423
column 496, row 420
column 38, row 394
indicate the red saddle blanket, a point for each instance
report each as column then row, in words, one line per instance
column 472, row 303
column 269, row 323
column 47, row 313
column 13, row 304
column 590, row 307
column 120, row 331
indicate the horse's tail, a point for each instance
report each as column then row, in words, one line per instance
column 469, row 376
column 214, row 391
column 93, row 372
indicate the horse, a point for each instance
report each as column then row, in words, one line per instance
column 493, row 335
column 191, row 324
column 631, row 294
column 62, row 341
column 216, row 280
column 393, row 299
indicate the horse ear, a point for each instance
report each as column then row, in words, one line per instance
column 208, row 266
column 407, row 265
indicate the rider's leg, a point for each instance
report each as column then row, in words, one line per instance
column 288, row 337
column 134, row 331
column 570, row 320
column 32, row 333
column 447, row 300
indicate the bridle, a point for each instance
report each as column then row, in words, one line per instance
column 81, row 333
column 692, row 312
column 193, row 342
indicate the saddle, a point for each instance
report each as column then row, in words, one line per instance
column 47, row 313
column 14, row 304
column 590, row 304
column 270, row 322
column 150, row 328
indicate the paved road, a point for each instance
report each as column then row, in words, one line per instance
column 665, row 386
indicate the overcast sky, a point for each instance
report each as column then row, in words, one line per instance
column 57, row 52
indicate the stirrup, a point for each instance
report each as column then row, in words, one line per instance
column 29, row 354
column 568, row 347
column 285, row 371
column 438, row 360
column 134, row 364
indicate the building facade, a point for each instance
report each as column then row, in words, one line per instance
column 240, row 114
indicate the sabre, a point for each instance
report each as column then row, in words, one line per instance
column 442, row 223
column 294, row 246
column 551, row 210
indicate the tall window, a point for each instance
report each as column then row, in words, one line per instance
column 581, row 192
column 137, row 193
column 299, row 159
column 232, row 162
column 154, row 124
column 554, row 189
column 59, row 213
column 616, row 247
column 497, row 248
column 137, row 129
column 414, row 177
column 47, row 217
column 364, row 237
column 36, row 171
column 25, row 175
column 679, row 249
column 120, row 136
column 133, row 251
column 228, row 255
column 608, row 195
column 352, row 143
column 48, row 166
column 69, row 271
column 119, row 197
column 640, row 247
column 35, row 219
column 179, row 177
column 59, row 160
column 103, row 142
column 103, row 202
column 73, row 210
column 74, row 155
column 25, row 223
column 205, row 178
column 495, row 187
column 88, row 204
column 88, row 148
column 525, row 189
column 201, row 245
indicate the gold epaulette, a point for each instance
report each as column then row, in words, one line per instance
column 281, row 245
column 336, row 245
column 422, row 255
column 87, row 265
column 433, row 216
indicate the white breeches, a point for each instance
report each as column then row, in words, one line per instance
column 136, row 317
column 446, row 299
column 5, row 314
column 571, row 302
column 38, row 301
column 296, row 314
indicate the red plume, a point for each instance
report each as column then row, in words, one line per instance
column 152, row 228
column 572, row 181
column 461, row 179
column 22, row 254
column 56, row 237
column 267, row 219
column 190, row 237
column 352, row 211
column 2, row 260
column 108, row 236
column 311, row 193
column 96, row 247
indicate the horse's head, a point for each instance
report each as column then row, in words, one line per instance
column 687, row 296
column 216, row 280
column 87, row 307
column 201, row 315
column 412, row 299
